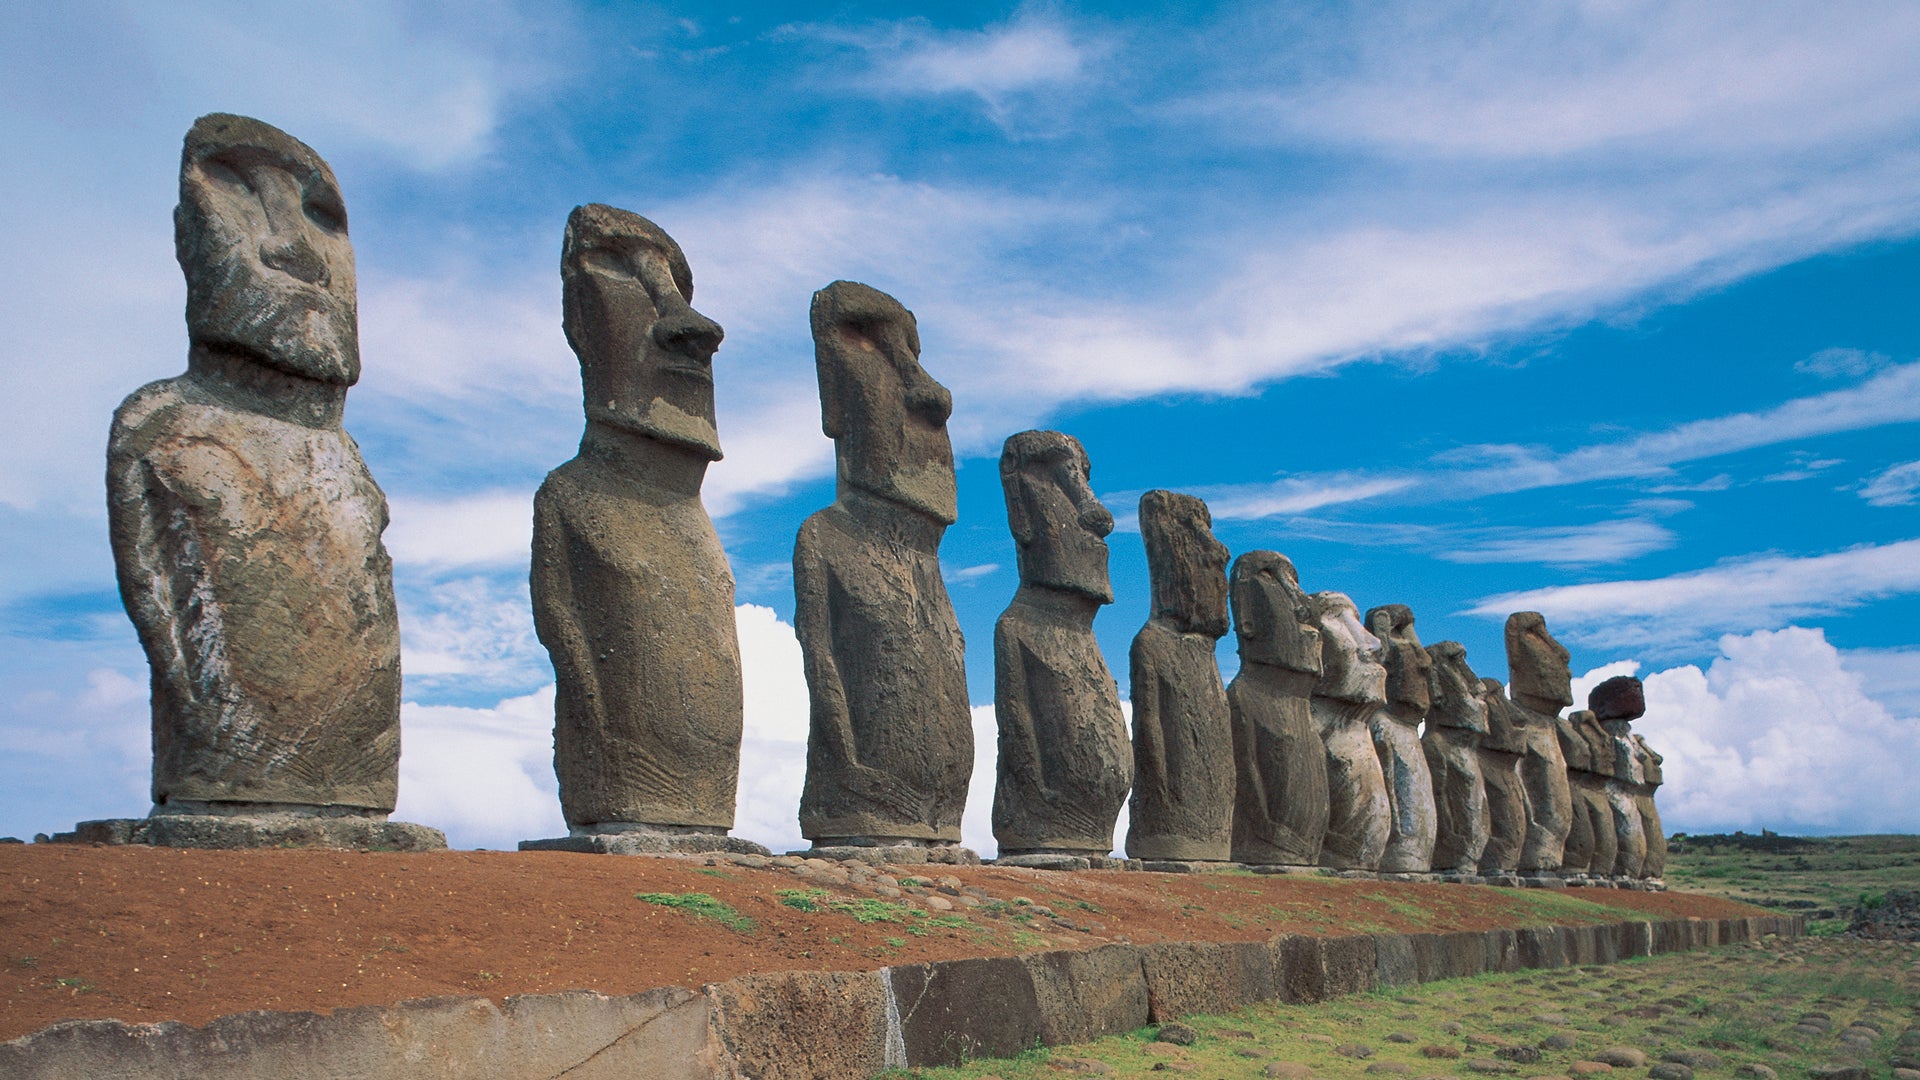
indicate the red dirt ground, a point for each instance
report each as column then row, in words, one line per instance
column 144, row 934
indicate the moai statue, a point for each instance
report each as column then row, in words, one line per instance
column 890, row 748
column 1541, row 685
column 1280, row 795
column 1182, row 805
column 1617, row 703
column 1592, row 847
column 1500, row 752
column 1456, row 723
column 1065, row 761
column 1396, row 739
column 1650, row 779
column 246, row 528
column 1352, row 687
column 631, row 592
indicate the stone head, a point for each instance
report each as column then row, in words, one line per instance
column 1058, row 525
column 1505, row 723
column 261, row 235
column 1537, row 664
column 1618, row 702
column 1186, row 565
column 1457, row 694
column 1408, row 665
column 646, row 357
column 885, row 414
column 1271, row 614
column 1350, row 668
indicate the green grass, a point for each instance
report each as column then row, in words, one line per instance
column 1739, row 1003
column 702, row 906
column 1824, row 878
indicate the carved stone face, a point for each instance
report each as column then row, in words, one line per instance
column 1455, row 690
column 1504, row 722
column 646, row 357
column 1350, row 668
column 1186, row 565
column 1536, row 663
column 1406, row 662
column 1271, row 614
column 1058, row 524
column 886, row 415
column 261, row 234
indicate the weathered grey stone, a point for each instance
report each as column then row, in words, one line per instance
column 1500, row 752
column 245, row 526
column 1280, row 795
column 1396, row 963
column 233, row 827
column 1083, row 995
column 1065, row 760
column 1189, row 977
column 1456, row 723
column 1183, row 787
column 792, row 1025
column 648, row 841
column 632, row 596
column 1655, row 863
column 1351, row 688
column 957, row 1010
column 1616, row 703
column 665, row 1033
column 1593, row 844
column 1541, row 685
column 1396, row 739
column 890, row 748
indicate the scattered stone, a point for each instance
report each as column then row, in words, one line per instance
column 1354, row 1050
column 1524, row 1055
column 1443, row 1053
column 1397, row 1068
column 1399, row 1037
column 1177, row 1033
column 1693, row 1059
column 1559, row 1040
column 1622, row 1057
column 1753, row 1070
column 1491, row 1066
column 1288, row 1070
column 1670, row 1070
column 1589, row 1068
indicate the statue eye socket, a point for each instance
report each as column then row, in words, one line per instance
column 226, row 173
column 328, row 215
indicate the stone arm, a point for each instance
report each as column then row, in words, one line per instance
column 556, row 609
column 830, row 730
column 1145, row 666
column 1254, row 778
column 1013, row 712
column 150, row 524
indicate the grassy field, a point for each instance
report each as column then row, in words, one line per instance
column 1764, row 1010
column 1824, row 878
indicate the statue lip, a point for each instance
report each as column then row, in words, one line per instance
column 689, row 368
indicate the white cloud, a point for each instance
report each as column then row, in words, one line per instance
column 1295, row 495
column 484, row 776
column 1564, row 545
column 1891, row 676
column 1764, row 591
column 969, row 573
column 1842, row 363
column 489, row 529
column 469, row 632
column 1029, row 52
column 1895, row 486
column 1777, row 733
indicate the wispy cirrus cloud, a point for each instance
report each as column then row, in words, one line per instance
column 1682, row 610
column 1898, row 485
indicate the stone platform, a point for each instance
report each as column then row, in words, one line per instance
column 647, row 842
column 228, row 831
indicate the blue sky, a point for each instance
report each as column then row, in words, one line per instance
column 1603, row 309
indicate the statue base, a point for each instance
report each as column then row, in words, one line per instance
column 647, row 840
column 1542, row 879
column 1463, row 877
column 884, row 852
column 270, row 830
column 1184, row 866
column 1289, row 869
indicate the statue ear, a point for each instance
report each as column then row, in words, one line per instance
column 832, row 408
column 1019, row 521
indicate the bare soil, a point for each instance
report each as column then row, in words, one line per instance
column 147, row 934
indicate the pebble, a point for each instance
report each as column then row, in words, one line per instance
column 1906, row 1074
column 1081, row 1065
column 1399, row 1037
column 1177, row 1033
column 1489, row 1065
column 1451, row 1027
column 1173, row 1066
column 1622, row 1057
column 1753, row 1070
column 1588, row 1068
column 1559, row 1040
column 1399, row 1068
column 1670, row 1070
column 1692, row 1059
column 1327, row 1039
column 937, row 903
column 1354, row 1050
column 1552, row 1018
column 1288, row 1070
column 1838, row 1072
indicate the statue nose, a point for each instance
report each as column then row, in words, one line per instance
column 930, row 400
column 1097, row 519
column 296, row 258
column 689, row 333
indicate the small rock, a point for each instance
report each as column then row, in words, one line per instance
column 1451, row 1027
column 937, row 903
column 1288, row 1070
column 1906, row 1074
column 1807, row 1031
column 1177, row 1033
column 1670, row 1070
column 1838, row 1072
column 1173, row 1066
column 1327, row 1039
column 1559, row 1040
column 1081, row 1065
column 1399, row 1037
column 1552, row 1018
column 1249, row 1052
column 1354, row 1050
column 1524, row 1055
column 1622, row 1057
column 1692, row 1059
column 1588, row 1068
column 1489, row 1065
column 1398, row 1068
column 1442, row 1052
column 1753, row 1070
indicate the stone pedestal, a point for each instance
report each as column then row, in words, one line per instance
column 259, row 830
